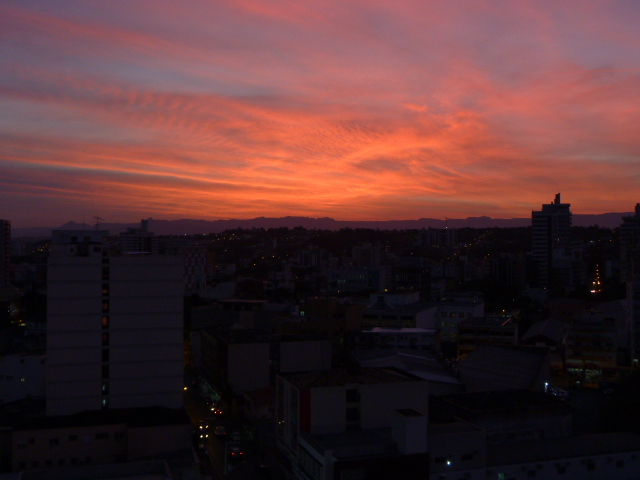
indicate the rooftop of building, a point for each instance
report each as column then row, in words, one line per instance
column 417, row 307
column 245, row 335
column 354, row 443
column 245, row 301
column 550, row 328
column 489, row 321
column 27, row 419
column 501, row 400
column 420, row 363
column 504, row 367
column 563, row 448
column 430, row 331
column 450, row 427
column 341, row 377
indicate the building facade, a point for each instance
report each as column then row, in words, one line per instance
column 114, row 327
column 630, row 246
column 337, row 420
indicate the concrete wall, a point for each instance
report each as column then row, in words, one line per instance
column 248, row 366
column 379, row 401
column 305, row 356
column 328, row 410
column 147, row 442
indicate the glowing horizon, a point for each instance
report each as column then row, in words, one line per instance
column 356, row 110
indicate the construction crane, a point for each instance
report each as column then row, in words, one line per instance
column 98, row 220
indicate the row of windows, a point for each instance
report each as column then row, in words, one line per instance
column 61, row 462
column 456, row 315
column 390, row 322
column 118, row 436
column 444, row 324
column 10, row 378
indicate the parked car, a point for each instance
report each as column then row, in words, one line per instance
column 235, row 453
column 220, row 431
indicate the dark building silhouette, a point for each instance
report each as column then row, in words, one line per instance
column 5, row 252
column 630, row 245
column 551, row 244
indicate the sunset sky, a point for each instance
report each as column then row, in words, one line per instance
column 351, row 109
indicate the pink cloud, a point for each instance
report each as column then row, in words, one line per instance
column 368, row 110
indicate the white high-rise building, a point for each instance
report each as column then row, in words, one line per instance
column 114, row 327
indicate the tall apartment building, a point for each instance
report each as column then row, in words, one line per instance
column 551, row 243
column 5, row 252
column 114, row 327
column 630, row 273
column 630, row 245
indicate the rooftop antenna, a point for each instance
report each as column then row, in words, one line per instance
column 446, row 222
column 98, row 220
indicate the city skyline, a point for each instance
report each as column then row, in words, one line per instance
column 357, row 111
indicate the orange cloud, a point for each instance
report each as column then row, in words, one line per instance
column 365, row 110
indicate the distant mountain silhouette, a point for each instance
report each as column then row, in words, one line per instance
column 193, row 227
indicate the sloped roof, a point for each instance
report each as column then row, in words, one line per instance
column 418, row 364
column 551, row 329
